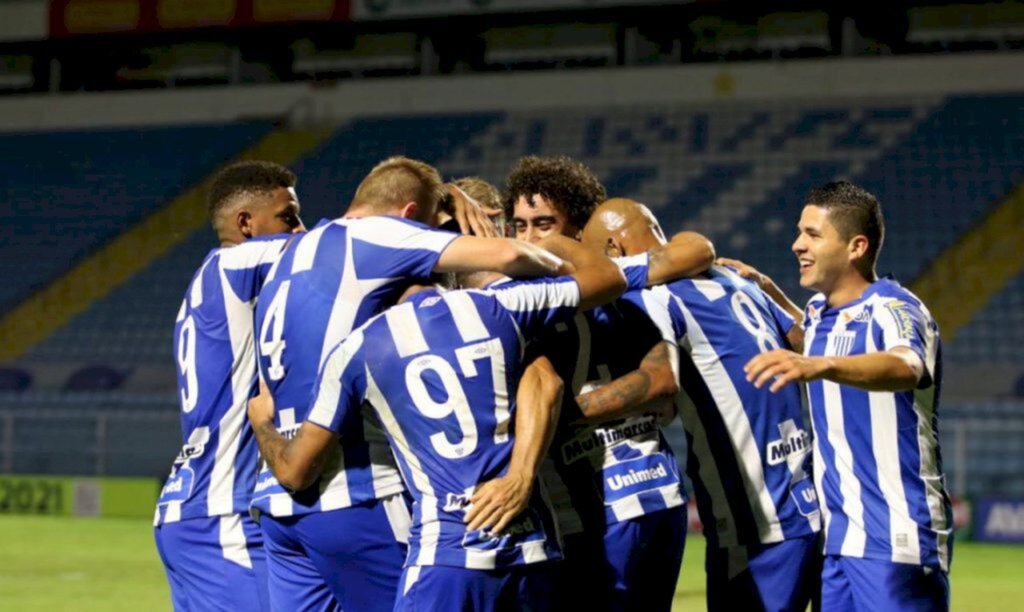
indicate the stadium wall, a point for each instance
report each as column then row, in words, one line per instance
column 831, row 78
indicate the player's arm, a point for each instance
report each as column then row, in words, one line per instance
column 510, row 257
column 297, row 462
column 497, row 502
column 687, row 254
column 650, row 387
column 898, row 369
column 599, row 279
column 769, row 287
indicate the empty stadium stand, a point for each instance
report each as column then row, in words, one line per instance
column 736, row 171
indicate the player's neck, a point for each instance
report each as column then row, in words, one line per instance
column 849, row 287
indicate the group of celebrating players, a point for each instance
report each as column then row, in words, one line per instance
column 455, row 420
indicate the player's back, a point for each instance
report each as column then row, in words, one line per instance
column 749, row 450
column 328, row 282
column 442, row 371
column 215, row 471
column 619, row 469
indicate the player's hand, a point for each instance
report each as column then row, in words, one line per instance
column 261, row 407
column 745, row 271
column 784, row 367
column 471, row 215
column 496, row 502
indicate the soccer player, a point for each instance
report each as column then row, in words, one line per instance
column 438, row 371
column 749, row 450
column 872, row 367
column 211, row 549
column 338, row 541
column 616, row 486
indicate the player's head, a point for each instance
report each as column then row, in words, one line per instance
column 623, row 227
column 486, row 195
column 839, row 236
column 253, row 198
column 400, row 187
column 551, row 195
column 474, row 188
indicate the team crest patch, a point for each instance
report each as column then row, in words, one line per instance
column 840, row 343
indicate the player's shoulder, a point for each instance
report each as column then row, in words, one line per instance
column 815, row 306
column 888, row 292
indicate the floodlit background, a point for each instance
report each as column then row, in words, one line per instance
column 719, row 115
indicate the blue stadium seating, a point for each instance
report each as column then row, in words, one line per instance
column 66, row 193
column 737, row 172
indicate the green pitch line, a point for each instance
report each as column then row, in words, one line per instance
column 110, row 565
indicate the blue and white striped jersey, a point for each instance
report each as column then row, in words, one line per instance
column 327, row 283
column 441, row 372
column 621, row 469
column 213, row 346
column 879, row 469
column 749, row 449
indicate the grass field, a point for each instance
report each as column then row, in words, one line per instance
column 51, row 563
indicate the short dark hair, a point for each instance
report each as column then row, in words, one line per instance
column 565, row 182
column 251, row 177
column 853, row 211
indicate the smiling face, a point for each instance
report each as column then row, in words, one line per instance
column 823, row 254
column 539, row 218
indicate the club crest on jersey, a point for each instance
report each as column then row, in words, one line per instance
column 840, row 343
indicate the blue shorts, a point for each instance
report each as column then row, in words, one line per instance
column 850, row 583
column 214, row 563
column 349, row 558
column 441, row 588
column 634, row 566
column 781, row 576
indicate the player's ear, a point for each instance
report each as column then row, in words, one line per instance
column 612, row 248
column 858, row 247
column 409, row 211
column 243, row 221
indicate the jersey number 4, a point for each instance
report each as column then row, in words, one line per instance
column 272, row 332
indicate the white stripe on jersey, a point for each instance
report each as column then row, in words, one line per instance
column 405, row 330
column 345, row 309
column 248, row 254
column 431, row 527
column 334, row 493
column 727, row 535
column 232, row 540
column 539, row 296
column 471, row 327
column 220, row 495
column 885, row 448
column 196, row 298
column 849, row 485
column 387, row 232
column 737, row 425
column 305, row 251
column 281, row 505
column 326, row 402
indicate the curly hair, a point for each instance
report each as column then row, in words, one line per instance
column 246, row 178
column 565, row 182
